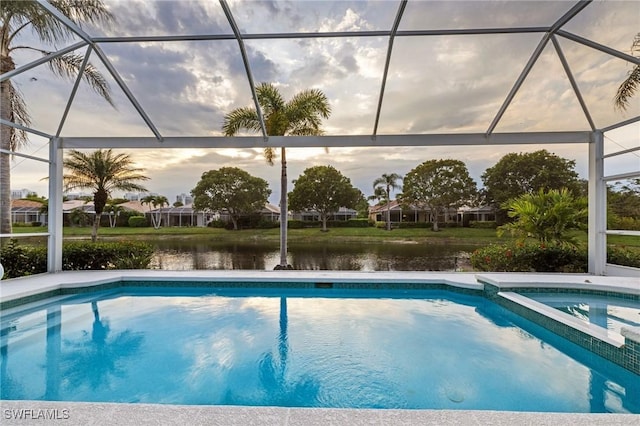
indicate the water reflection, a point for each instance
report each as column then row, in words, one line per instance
column 94, row 358
column 202, row 254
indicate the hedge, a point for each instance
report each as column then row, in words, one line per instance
column 138, row 222
column 518, row 257
column 486, row 224
column 20, row 260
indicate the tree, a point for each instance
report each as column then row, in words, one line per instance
column 323, row 189
column 548, row 216
column 301, row 116
column 101, row 171
column 232, row 189
column 113, row 210
column 439, row 185
column 386, row 183
column 628, row 87
column 155, row 202
column 17, row 17
column 525, row 173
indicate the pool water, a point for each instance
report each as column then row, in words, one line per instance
column 607, row 312
column 429, row 349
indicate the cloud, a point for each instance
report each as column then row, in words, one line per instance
column 435, row 85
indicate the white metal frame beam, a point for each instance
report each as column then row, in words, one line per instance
column 394, row 30
column 330, row 141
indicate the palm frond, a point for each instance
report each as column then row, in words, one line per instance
column 240, row 118
column 19, row 115
column 68, row 66
column 269, row 98
column 627, row 89
column 629, row 86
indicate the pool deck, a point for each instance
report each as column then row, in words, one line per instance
column 81, row 413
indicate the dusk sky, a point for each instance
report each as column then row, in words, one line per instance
column 436, row 84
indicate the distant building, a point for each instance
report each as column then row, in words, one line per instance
column 399, row 213
column 28, row 212
column 17, row 194
column 138, row 196
column 77, row 195
column 184, row 199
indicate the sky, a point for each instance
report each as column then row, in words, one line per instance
column 437, row 84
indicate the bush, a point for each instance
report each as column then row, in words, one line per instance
column 20, row 260
column 517, row 257
column 217, row 224
column 487, row 224
column 627, row 223
column 624, row 256
column 138, row 222
column 77, row 255
column 295, row 224
column 412, row 225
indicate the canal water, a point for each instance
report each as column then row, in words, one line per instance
column 173, row 254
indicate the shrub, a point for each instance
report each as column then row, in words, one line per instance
column 217, row 224
column 77, row 255
column 295, row 224
column 411, row 225
column 628, row 223
column 518, row 257
column 138, row 222
column 624, row 256
column 358, row 223
column 487, row 224
column 20, row 260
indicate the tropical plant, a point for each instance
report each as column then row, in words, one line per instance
column 548, row 216
column 629, row 86
column 439, row 185
column 325, row 190
column 101, row 171
column 16, row 18
column 230, row 189
column 383, row 186
column 155, row 202
column 301, row 116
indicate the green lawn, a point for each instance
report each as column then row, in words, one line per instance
column 453, row 235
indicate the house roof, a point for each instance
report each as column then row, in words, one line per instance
column 25, row 204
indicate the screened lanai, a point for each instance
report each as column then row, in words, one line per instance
column 405, row 79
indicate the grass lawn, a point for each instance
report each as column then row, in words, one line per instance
column 471, row 236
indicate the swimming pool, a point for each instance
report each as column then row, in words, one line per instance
column 606, row 312
column 364, row 349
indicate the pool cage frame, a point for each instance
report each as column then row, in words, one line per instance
column 594, row 137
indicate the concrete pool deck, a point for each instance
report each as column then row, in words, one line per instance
column 84, row 413
column 74, row 413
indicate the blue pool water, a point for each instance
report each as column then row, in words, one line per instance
column 607, row 312
column 430, row 349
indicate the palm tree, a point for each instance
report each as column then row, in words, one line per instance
column 549, row 216
column 113, row 210
column 386, row 183
column 155, row 202
column 301, row 116
column 628, row 87
column 17, row 17
column 102, row 171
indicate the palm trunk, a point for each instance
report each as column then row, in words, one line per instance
column 283, row 210
column 96, row 225
column 388, row 210
column 6, row 64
